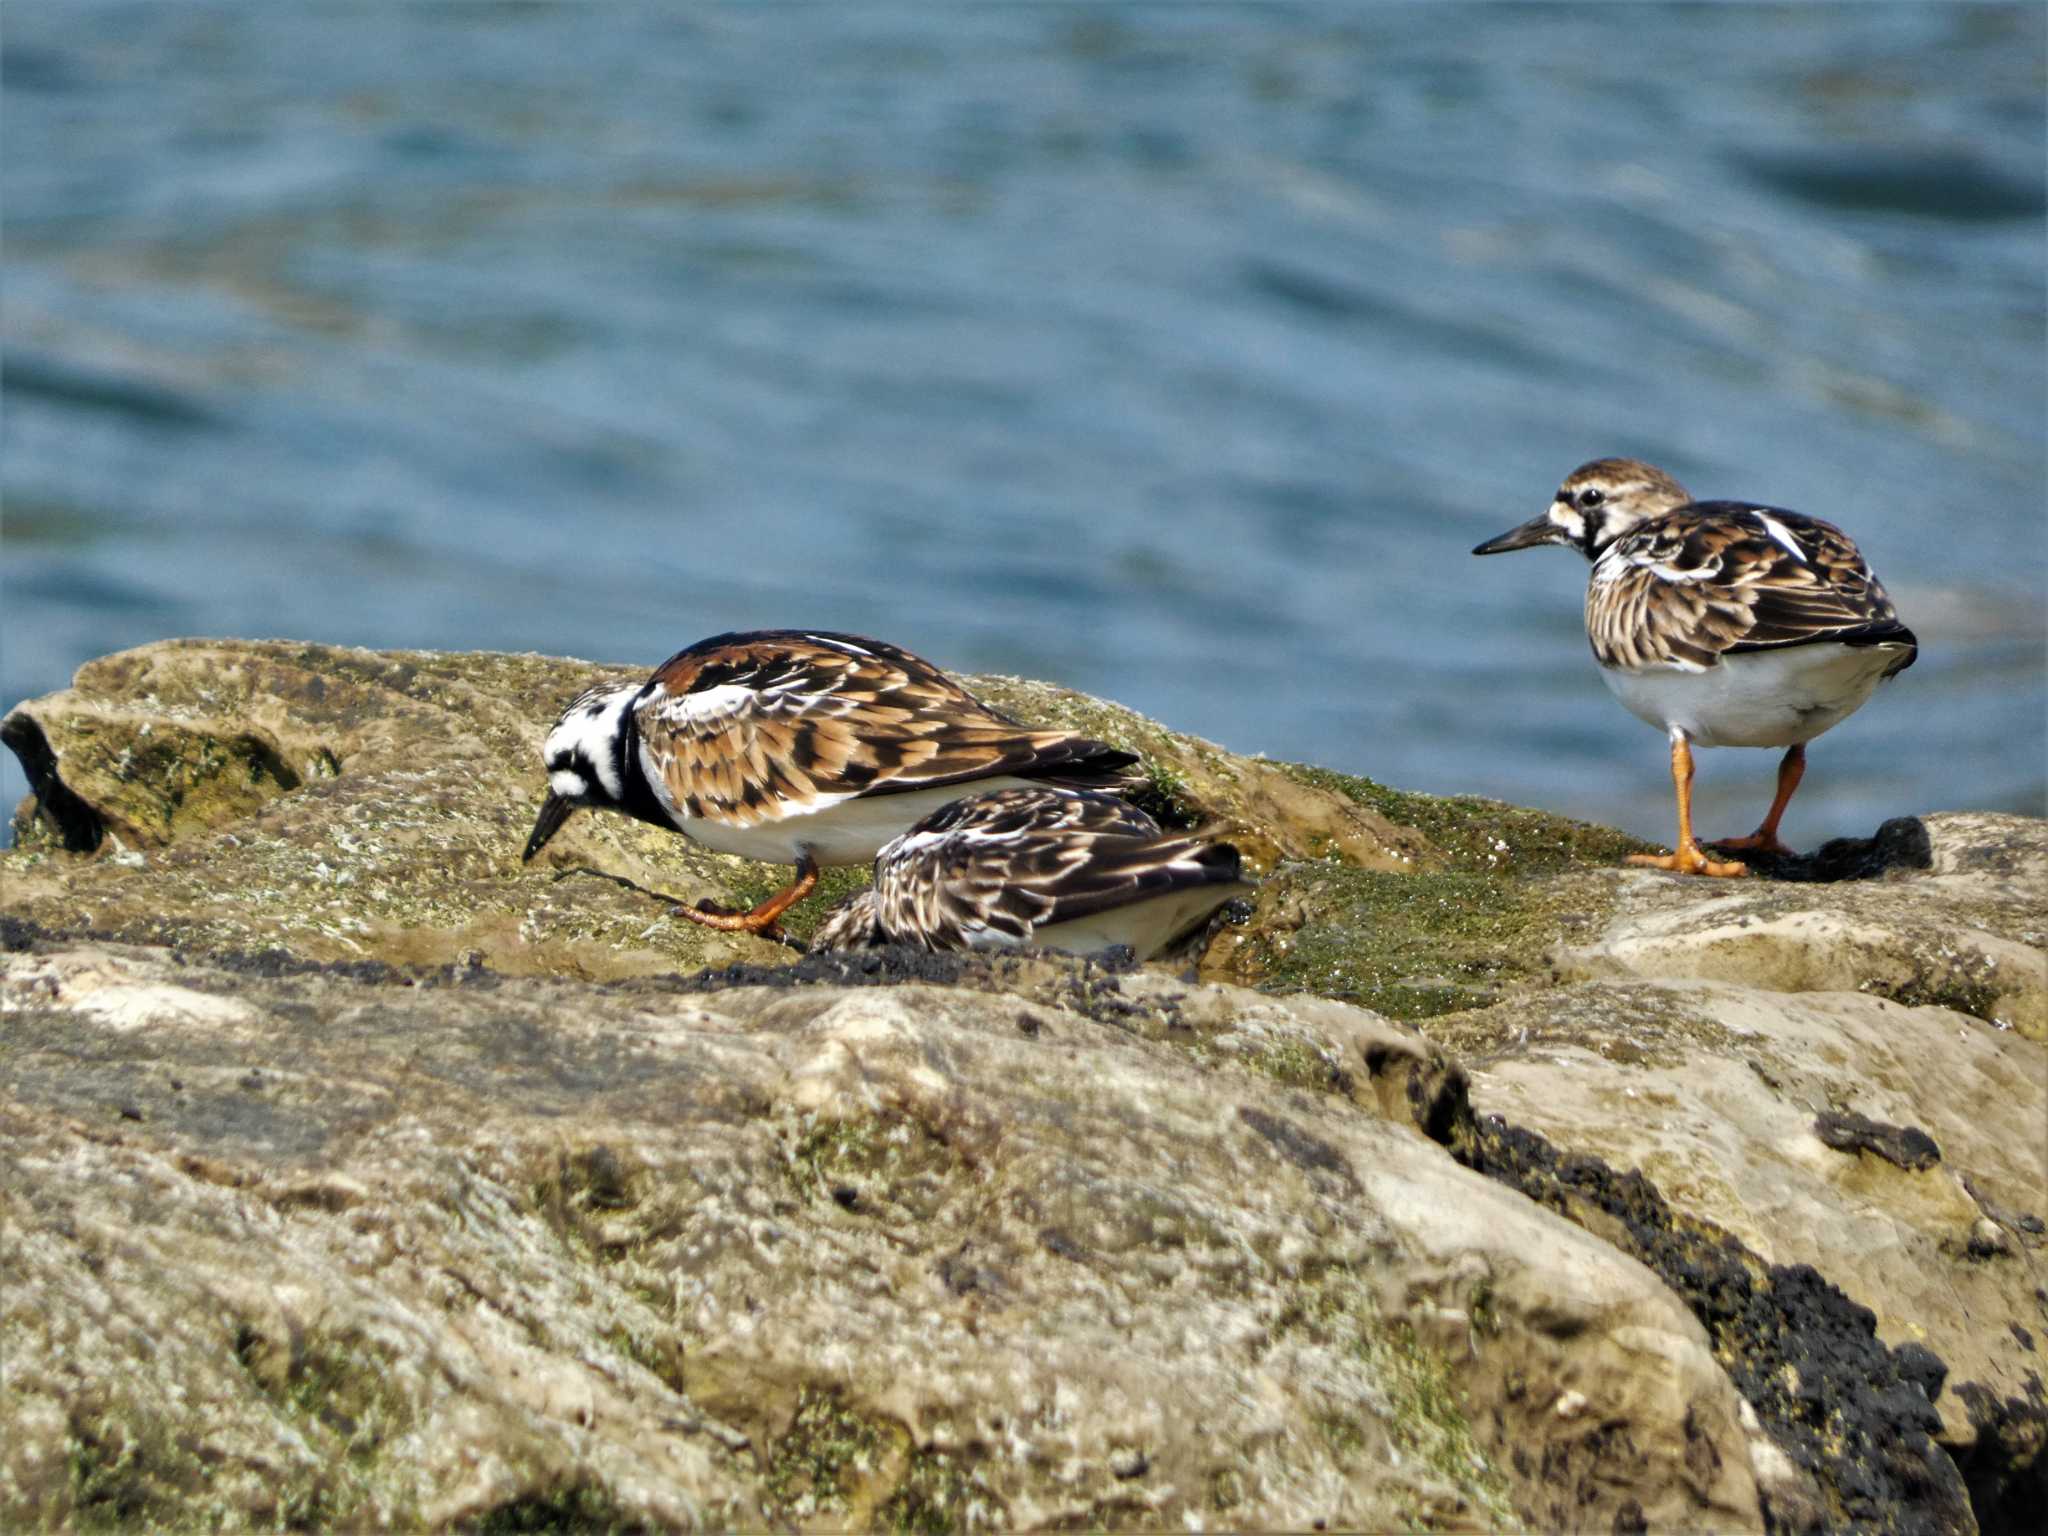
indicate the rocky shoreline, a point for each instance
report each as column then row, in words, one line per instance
column 363, row 1176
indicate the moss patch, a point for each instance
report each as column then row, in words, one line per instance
column 586, row 1509
column 1480, row 836
column 939, row 1494
column 132, row 1473
column 1408, row 946
column 887, row 1165
column 823, row 1459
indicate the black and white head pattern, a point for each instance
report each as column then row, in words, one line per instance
column 585, row 752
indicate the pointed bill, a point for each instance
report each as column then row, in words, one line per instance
column 1538, row 530
column 553, row 812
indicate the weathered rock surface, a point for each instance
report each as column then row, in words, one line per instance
column 361, row 1175
column 294, row 1247
column 1951, row 910
column 1725, row 1098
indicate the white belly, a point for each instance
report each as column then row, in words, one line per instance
column 849, row 832
column 1758, row 698
column 1148, row 927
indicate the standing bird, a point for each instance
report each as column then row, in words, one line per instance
column 795, row 747
column 1724, row 623
column 1064, row 870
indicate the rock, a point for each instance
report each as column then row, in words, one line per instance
column 1958, row 922
column 378, row 1178
column 1812, row 1130
column 527, row 1252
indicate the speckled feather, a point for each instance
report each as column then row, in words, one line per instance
column 1718, row 578
column 747, row 728
column 997, row 868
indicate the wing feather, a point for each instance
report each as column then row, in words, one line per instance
column 996, row 867
column 1715, row 579
column 746, row 728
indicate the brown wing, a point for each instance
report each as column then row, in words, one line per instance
column 1718, row 578
column 748, row 728
column 997, row 867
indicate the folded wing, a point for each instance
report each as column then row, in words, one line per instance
column 1718, row 579
column 752, row 727
column 998, row 867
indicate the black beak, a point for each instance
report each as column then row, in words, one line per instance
column 1538, row 530
column 553, row 812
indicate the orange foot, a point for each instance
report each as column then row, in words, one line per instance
column 1689, row 861
column 1756, row 842
column 712, row 915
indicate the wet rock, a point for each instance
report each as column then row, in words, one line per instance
column 346, row 804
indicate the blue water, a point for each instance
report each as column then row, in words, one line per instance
column 1178, row 353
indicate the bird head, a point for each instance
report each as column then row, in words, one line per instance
column 1597, row 504
column 584, row 755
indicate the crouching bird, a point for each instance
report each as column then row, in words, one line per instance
column 1061, row 869
column 1723, row 624
column 795, row 747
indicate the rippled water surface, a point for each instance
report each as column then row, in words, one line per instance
column 1178, row 353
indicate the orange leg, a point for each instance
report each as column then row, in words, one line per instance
column 761, row 919
column 1765, row 838
column 1687, row 859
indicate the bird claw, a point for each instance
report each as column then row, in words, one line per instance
column 1689, row 860
column 730, row 920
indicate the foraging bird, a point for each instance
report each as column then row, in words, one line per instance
column 1061, row 869
column 795, row 747
column 1723, row 623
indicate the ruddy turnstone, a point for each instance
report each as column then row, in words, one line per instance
column 1063, row 869
column 1724, row 623
column 795, row 747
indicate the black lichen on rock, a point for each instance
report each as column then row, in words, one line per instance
column 1847, row 1410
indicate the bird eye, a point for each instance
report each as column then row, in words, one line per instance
column 1592, row 496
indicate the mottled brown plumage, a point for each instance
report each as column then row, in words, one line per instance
column 1019, row 866
column 743, row 729
column 1713, row 579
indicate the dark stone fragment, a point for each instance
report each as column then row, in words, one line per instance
column 1906, row 1145
column 1901, row 845
column 1053, row 1240
column 1922, row 1366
